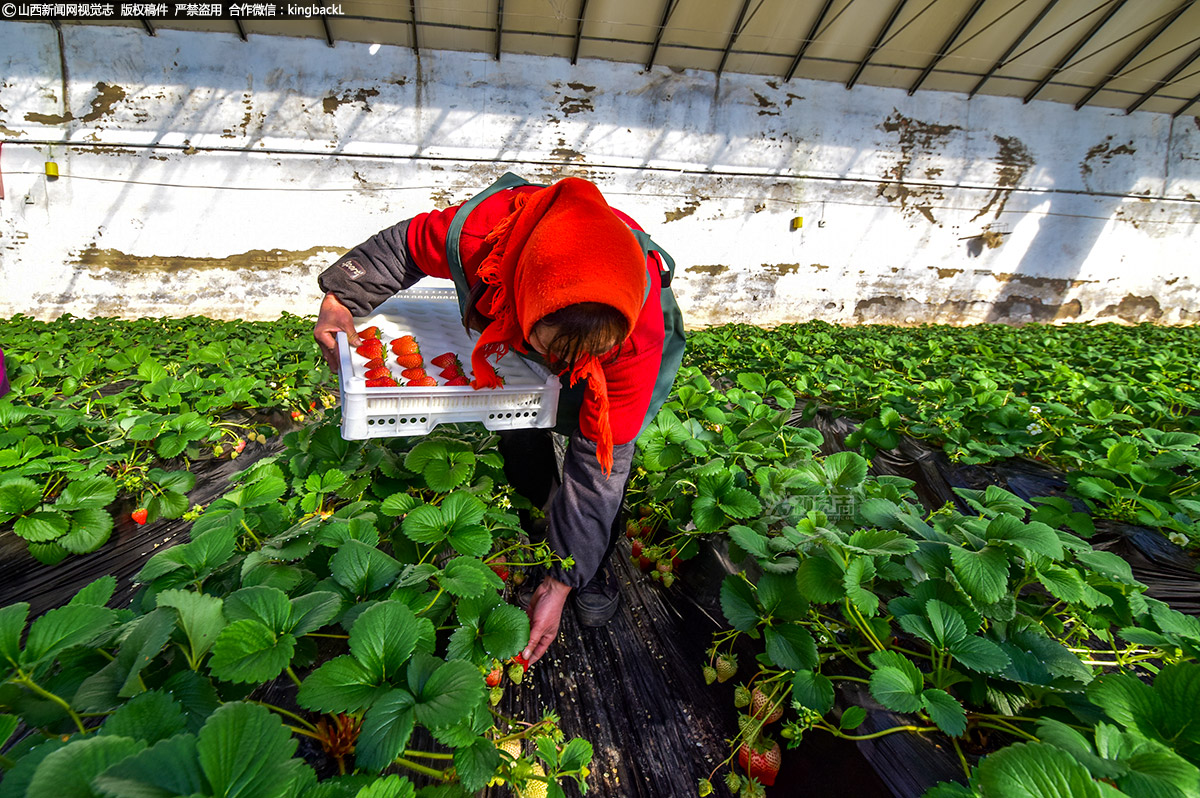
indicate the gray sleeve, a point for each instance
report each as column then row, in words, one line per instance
column 371, row 272
column 583, row 509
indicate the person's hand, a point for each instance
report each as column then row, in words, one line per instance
column 545, row 613
column 332, row 318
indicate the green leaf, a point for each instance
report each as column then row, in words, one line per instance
column 196, row 694
column 820, row 580
column 450, row 694
column 87, row 493
column 1065, row 584
column 383, row 638
column 267, row 605
column 983, row 573
column 151, row 717
column 167, row 769
column 947, row 625
column 813, row 690
column 945, row 711
column 1121, row 456
column 845, row 470
column 790, row 646
column 98, row 592
column 248, row 652
column 424, row 524
column 1034, row 770
column 201, row 617
column 43, row 526
column 398, row 504
column 1108, row 565
column 313, row 610
column 467, row 577
column 738, row 603
column 979, row 654
column 18, row 496
column 505, row 631
column 392, row 786
column 750, row 540
column 68, row 772
column 852, row 718
column 892, row 688
column 63, row 628
column 476, row 763
column 340, row 685
column 12, row 623
column 267, row 490
column 386, row 729
column 881, row 542
column 362, row 569
column 576, row 754
column 752, row 381
column 739, row 503
column 779, row 597
column 244, row 751
column 1034, row 537
column 90, row 529
column 141, row 645
column 861, row 570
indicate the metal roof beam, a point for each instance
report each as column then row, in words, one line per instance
column 737, row 30
column 148, row 26
column 579, row 31
column 1186, row 106
column 1079, row 45
column 328, row 30
column 412, row 8
column 1024, row 35
column 241, row 30
column 499, row 26
column 1184, row 64
column 1134, row 53
column 945, row 48
column 858, row 70
column 662, row 26
column 812, row 35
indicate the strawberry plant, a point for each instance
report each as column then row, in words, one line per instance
column 112, row 411
column 985, row 622
column 339, row 593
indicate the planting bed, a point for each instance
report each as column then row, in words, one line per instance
column 891, row 553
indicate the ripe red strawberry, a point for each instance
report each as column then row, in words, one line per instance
column 445, row 360
column 383, row 382
column 494, row 676
column 370, row 348
column 240, row 446
column 413, row 373
column 405, row 345
column 409, row 361
column 636, row 547
column 139, row 515
column 761, row 761
column 760, row 707
column 423, row 382
column 377, row 374
column 370, row 332
column 500, row 567
column 460, row 380
column 376, row 363
column 450, row 372
column 726, row 667
column 633, row 529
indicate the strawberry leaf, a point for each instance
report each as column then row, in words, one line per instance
column 90, row 529
column 476, row 763
column 983, row 573
column 505, row 631
column 383, row 638
column 450, row 694
column 44, row 526
column 340, row 685
column 1035, row 770
column 945, row 711
column 12, row 623
column 813, row 690
column 467, row 577
column 200, row 616
column 245, row 752
column 151, row 717
column 246, row 651
column 64, row 628
column 386, row 729
column 362, row 569
column 267, row 605
column 87, row 493
column 68, row 772
column 790, row 646
column 18, row 496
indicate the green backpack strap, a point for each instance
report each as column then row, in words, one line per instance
column 648, row 246
column 453, row 255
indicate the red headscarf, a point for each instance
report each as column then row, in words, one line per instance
column 560, row 246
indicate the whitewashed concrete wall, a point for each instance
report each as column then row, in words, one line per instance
column 202, row 174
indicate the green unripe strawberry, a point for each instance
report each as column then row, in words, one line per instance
column 710, row 674
column 494, row 695
column 516, row 672
column 726, row 667
column 741, row 696
column 705, row 788
column 733, row 781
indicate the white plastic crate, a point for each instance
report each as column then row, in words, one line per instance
column 529, row 397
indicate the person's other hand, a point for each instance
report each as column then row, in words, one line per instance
column 545, row 613
column 332, row 318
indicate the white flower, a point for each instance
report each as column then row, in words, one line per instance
column 1033, row 429
column 1178, row 538
column 1035, row 410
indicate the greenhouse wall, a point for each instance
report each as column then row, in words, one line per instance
column 200, row 174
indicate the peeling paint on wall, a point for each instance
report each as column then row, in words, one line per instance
column 254, row 261
column 362, row 97
column 106, row 97
column 1013, row 162
column 914, row 138
column 688, row 209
